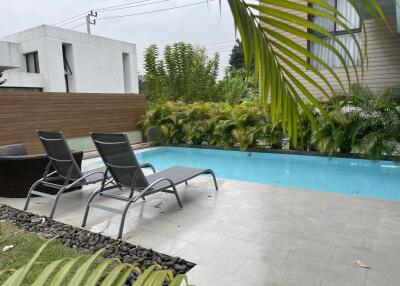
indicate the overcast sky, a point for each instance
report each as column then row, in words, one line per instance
column 203, row 24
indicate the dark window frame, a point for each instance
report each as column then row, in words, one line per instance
column 67, row 68
column 36, row 66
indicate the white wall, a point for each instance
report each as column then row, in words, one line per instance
column 22, row 79
column 97, row 62
column 9, row 55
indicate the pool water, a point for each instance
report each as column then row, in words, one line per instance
column 374, row 179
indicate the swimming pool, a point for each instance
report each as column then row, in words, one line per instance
column 380, row 179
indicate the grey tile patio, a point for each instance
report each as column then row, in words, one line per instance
column 254, row 234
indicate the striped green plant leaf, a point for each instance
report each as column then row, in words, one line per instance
column 80, row 275
column 107, row 272
column 59, row 278
column 118, row 275
column 282, row 67
column 178, row 279
column 5, row 271
column 145, row 275
column 47, row 271
column 95, row 276
column 158, row 278
column 123, row 275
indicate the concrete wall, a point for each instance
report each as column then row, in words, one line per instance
column 9, row 55
column 97, row 62
column 22, row 79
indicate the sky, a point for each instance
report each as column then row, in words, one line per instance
column 203, row 24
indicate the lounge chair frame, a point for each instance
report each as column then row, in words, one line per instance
column 49, row 177
column 82, row 179
column 143, row 192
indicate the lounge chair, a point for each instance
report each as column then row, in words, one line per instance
column 124, row 169
column 62, row 172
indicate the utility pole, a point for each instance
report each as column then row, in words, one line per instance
column 89, row 20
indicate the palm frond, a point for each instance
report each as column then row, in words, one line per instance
column 280, row 63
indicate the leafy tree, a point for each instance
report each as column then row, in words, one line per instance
column 236, row 59
column 154, row 77
column 185, row 73
column 237, row 86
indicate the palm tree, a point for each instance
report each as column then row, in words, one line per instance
column 280, row 63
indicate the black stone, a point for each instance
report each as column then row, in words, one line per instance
column 78, row 238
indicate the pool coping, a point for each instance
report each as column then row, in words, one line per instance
column 282, row 151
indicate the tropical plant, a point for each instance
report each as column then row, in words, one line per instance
column 361, row 122
column 364, row 122
column 266, row 29
column 246, row 124
column 237, row 87
column 185, row 73
column 103, row 272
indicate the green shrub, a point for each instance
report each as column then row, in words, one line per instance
column 218, row 124
column 362, row 122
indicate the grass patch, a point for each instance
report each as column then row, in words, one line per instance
column 25, row 246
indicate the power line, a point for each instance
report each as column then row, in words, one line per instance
column 217, row 44
column 219, row 48
column 70, row 19
column 133, row 6
column 106, row 9
column 77, row 26
column 155, row 11
column 120, row 5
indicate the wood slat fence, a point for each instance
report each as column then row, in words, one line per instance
column 76, row 114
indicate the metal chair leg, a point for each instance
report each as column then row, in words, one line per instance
column 53, row 209
column 215, row 179
column 91, row 198
column 122, row 223
column 177, row 196
column 28, row 198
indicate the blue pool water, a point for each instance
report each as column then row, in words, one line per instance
column 348, row 176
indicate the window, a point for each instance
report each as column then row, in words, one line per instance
column 67, row 67
column 32, row 62
column 127, row 72
column 353, row 21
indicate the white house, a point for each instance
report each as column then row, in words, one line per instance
column 52, row 59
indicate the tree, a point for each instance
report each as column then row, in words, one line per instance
column 185, row 73
column 236, row 59
column 154, row 77
column 266, row 29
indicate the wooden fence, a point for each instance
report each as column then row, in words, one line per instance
column 76, row 114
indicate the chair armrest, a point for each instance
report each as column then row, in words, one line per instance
column 148, row 165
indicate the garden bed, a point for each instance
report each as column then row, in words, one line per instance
column 81, row 239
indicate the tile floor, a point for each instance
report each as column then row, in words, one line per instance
column 253, row 234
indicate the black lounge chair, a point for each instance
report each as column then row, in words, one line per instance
column 62, row 172
column 124, row 169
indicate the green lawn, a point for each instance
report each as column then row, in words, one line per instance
column 25, row 246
